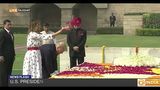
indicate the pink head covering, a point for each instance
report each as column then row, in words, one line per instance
column 76, row 21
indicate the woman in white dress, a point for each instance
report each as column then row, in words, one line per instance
column 32, row 64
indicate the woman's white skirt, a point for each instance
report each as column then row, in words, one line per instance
column 32, row 64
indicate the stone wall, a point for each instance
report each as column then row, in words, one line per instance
column 131, row 23
column 103, row 12
column 66, row 15
column 101, row 17
column 120, row 9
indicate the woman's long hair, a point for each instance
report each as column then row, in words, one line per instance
column 35, row 26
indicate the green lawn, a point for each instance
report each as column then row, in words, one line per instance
column 92, row 41
column 20, row 39
column 17, row 67
column 123, row 41
column 109, row 40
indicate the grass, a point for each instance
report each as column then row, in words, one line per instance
column 123, row 41
column 20, row 39
column 109, row 40
column 18, row 64
column 92, row 41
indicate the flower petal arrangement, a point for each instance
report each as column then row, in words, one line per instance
column 87, row 69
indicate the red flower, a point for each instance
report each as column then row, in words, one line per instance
column 96, row 69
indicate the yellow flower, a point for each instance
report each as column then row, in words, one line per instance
column 107, row 67
column 156, row 70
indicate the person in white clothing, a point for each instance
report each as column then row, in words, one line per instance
column 32, row 64
column 47, row 31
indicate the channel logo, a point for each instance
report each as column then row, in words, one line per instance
column 148, row 82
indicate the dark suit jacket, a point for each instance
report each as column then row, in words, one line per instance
column 49, row 59
column 77, row 37
column 6, row 50
column 6, row 44
column 112, row 19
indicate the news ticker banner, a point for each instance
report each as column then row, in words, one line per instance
column 25, row 81
column 15, row 10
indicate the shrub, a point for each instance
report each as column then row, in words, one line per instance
column 151, row 20
column 138, row 13
column 110, row 30
column 148, row 32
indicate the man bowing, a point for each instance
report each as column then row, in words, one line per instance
column 49, row 53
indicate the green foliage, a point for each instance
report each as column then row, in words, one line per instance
column 148, row 32
column 139, row 13
column 110, row 30
column 151, row 20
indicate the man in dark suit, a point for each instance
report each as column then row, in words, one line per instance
column 112, row 20
column 76, row 40
column 49, row 54
column 7, row 52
